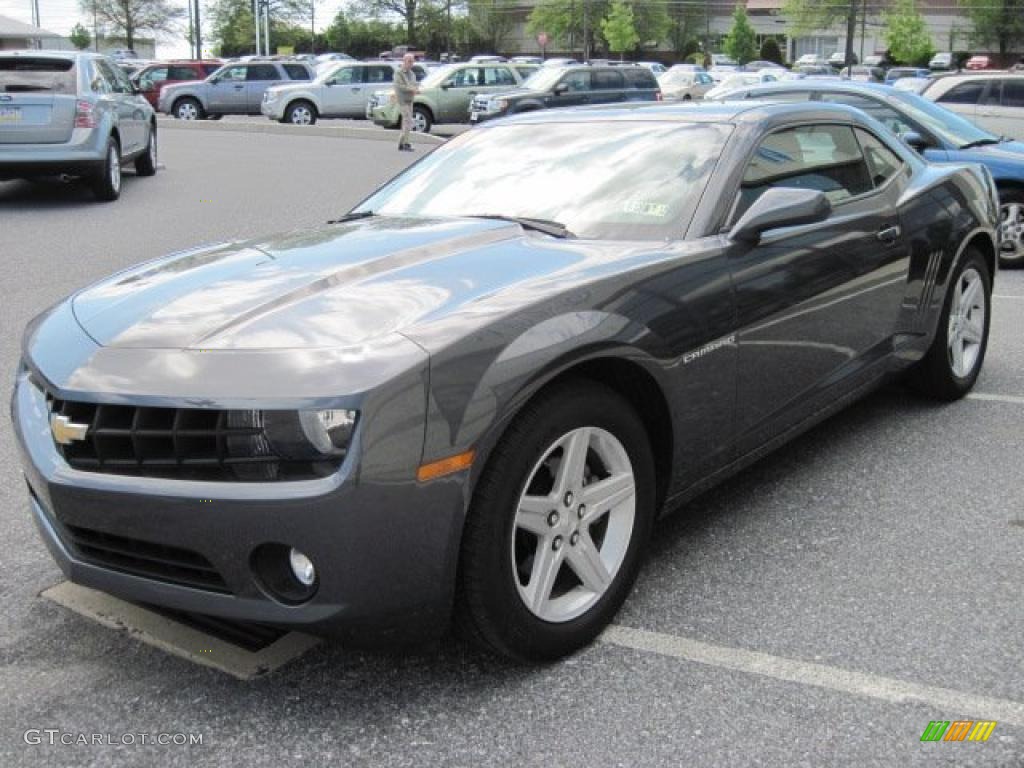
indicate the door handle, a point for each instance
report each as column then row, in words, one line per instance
column 889, row 234
column 239, row 87
column 356, row 90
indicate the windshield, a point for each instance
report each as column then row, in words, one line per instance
column 677, row 77
column 602, row 180
column 437, row 76
column 543, row 79
column 22, row 74
column 947, row 125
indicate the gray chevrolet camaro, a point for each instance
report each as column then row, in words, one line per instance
column 473, row 394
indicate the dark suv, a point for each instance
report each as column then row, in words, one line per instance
column 571, row 86
column 151, row 79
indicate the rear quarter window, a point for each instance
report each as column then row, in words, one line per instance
column 964, row 93
column 183, row 73
column 262, row 72
column 296, row 72
column 639, row 78
column 24, row 74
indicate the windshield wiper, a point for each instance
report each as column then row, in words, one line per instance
column 352, row 216
column 978, row 143
column 548, row 227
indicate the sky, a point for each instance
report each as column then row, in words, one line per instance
column 61, row 15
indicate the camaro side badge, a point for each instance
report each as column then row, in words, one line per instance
column 65, row 431
column 689, row 357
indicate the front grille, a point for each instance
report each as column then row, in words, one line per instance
column 178, row 443
column 143, row 558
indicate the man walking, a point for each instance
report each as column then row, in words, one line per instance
column 405, row 91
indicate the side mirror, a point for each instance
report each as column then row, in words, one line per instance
column 445, row 86
column 561, row 88
column 780, row 207
column 915, row 141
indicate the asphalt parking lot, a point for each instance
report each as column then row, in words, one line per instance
column 819, row 609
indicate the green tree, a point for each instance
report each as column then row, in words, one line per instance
column 491, row 22
column 127, row 18
column 770, row 51
column 906, row 34
column 998, row 23
column 741, row 42
column 652, row 21
column 408, row 11
column 806, row 16
column 561, row 20
column 619, row 29
column 233, row 28
column 685, row 24
column 80, row 37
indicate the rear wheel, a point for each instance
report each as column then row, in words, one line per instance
column 106, row 184
column 1011, row 225
column 421, row 120
column 954, row 360
column 558, row 524
column 146, row 163
column 188, row 109
column 300, row 113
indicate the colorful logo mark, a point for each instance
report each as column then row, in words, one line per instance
column 958, row 730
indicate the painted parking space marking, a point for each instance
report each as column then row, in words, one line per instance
column 176, row 638
column 817, row 675
column 1015, row 399
column 1007, row 296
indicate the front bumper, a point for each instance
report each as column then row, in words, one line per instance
column 272, row 109
column 82, row 155
column 385, row 551
column 384, row 115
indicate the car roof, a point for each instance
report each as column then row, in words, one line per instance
column 826, row 85
column 734, row 112
column 52, row 54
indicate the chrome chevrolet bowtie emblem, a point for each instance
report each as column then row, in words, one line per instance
column 65, row 431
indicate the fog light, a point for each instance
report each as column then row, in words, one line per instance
column 302, row 568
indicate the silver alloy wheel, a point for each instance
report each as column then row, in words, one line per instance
column 301, row 115
column 419, row 122
column 967, row 318
column 114, row 163
column 187, row 111
column 573, row 524
column 1011, row 231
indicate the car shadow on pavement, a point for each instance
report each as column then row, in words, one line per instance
column 52, row 193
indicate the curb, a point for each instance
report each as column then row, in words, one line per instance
column 330, row 131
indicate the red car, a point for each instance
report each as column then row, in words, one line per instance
column 153, row 77
column 978, row 62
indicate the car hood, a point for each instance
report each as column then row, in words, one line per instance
column 342, row 285
column 515, row 93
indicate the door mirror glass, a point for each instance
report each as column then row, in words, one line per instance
column 561, row 88
column 780, row 207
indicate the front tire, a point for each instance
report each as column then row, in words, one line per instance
column 422, row 121
column 952, row 364
column 189, row 109
column 1011, row 226
column 300, row 113
column 558, row 524
column 106, row 184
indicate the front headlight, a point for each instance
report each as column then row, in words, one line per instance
column 292, row 435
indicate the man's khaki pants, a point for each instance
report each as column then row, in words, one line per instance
column 406, row 110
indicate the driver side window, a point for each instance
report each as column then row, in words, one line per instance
column 820, row 157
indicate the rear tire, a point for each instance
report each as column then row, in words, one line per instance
column 106, row 184
column 529, row 518
column 146, row 163
column 1011, row 226
column 953, row 361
